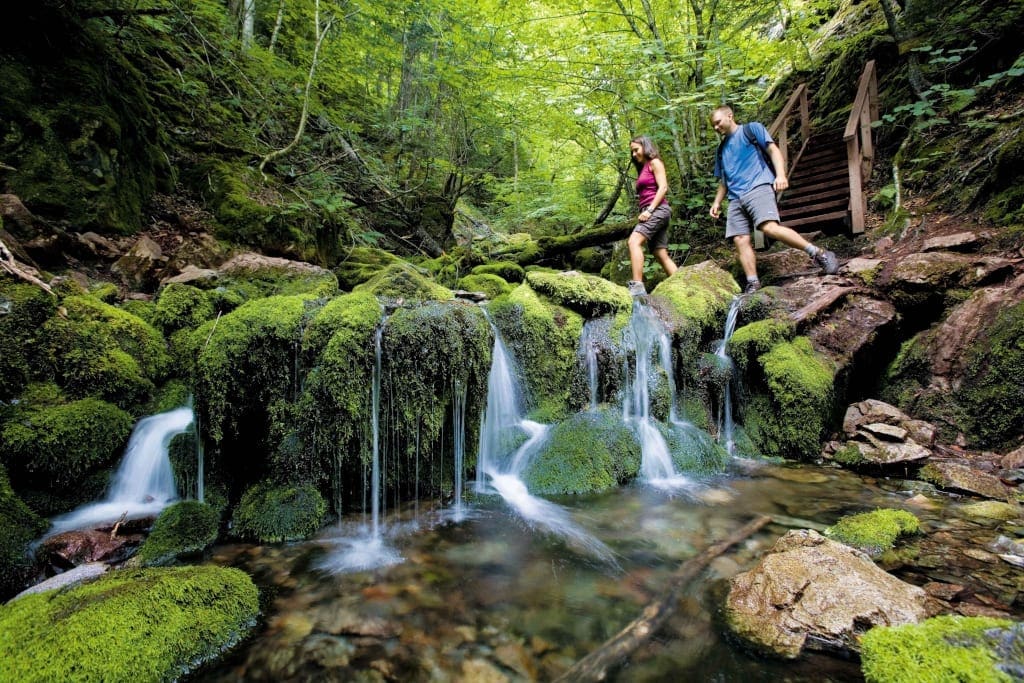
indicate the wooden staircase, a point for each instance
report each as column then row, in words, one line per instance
column 827, row 175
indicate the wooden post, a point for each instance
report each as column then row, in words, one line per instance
column 805, row 117
column 856, row 194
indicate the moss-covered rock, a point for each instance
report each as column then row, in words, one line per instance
column 271, row 513
column 180, row 306
column 491, row 285
column 54, row 445
column 181, row 530
column 19, row 526
column 944, row 648
column 133, row 625
column 506, row 270
column 787, row 414
column 362, row 263
column 403, row 281
column 693, row 450
column 874, row 532
column 589, row 452
column 99, row 349
column 756, row 339
column 542, row 338
column 588, row 295
column 23, row 310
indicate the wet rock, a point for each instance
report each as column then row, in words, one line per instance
column 940, row 270
column 888, row 432
column 952, row 475
column 816, row 593
column 73, row 548
column 516, row 657
column 857, row 266
column 943, row 591
column 191, row 275
column 992, row 509
column 481, row 671
column 1013, row 460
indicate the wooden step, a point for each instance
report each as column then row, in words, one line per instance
column 830, row 184
column 818, row 175
column 815, row 209
column 789, row 200
column 821, row 218
column 817, row 153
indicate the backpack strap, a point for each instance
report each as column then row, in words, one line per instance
column 752, row 139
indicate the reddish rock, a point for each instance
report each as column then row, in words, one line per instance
column 72, row 548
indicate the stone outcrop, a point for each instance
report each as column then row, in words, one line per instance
column 810, row 592
column 882, row 434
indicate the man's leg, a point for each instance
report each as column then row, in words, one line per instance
column 825, row 259
column 665, row 260
column 636, row 255
column 745, row 254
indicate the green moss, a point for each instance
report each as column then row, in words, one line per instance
column 932, row 475
column 19, row 526
column 174, row 394
column 756, row 339
column 226, row 188
column 138, row 625
column 506, row 270
column 362, row 263
column 181, row 530
column 789, row 418
column 849, row 455
column 403, row 281
column 23, row 311
column 588, row 295
column 874, row 532
column 542, row 338
column 589, row 452
column 182, row 306
column 693, row 450
column 269, row 513
column 243, row 362
column 945, row 648
column 491, row 285
column 992, row 509
column 106, row 292
column 55, row 446
column 102, row 350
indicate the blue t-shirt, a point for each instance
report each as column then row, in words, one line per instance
column 742, row 167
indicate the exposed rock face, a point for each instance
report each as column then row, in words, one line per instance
column 883, row 434
column 74, row 548
column 816, row 593
column 951, row 475
column 140, row 267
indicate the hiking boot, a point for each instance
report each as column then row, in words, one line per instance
column 828, row 261
column 752, row 286
column 636, row 288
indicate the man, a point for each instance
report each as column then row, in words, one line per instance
column 744, row 174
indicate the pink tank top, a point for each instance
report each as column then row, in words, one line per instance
column 646, row 185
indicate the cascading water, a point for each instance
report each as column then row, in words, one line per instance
column 507, row 442
column 646, row 332
column 722, row 353
column 458, row 442
column 364, row 551
column 144, row 483
column 588, row 351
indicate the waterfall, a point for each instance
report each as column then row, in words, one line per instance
column 458, row 441
column 144, row 482
column 588, row 351
column 507, row 443
column 722, row 353
column 358, row 552
column 645, row 333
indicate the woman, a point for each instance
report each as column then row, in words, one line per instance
column 655, row 213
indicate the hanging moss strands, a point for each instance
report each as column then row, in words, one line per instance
column 270, row 513
column 133, row 625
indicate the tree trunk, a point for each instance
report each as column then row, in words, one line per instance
column 609, row 206
column 277, row 26
column 546, row 248
column 248, row 22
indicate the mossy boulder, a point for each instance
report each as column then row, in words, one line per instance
column 362, row 263
column 227, row 189
column 944, row 648
column 403, row 281
column 181, row 306
column 586, row 453
column 693, row 450
column 542, row 338
column 19, row 526
column 182, row 530
column 491, row 285
column 23, row 310
column 588, row 295
column 756, row 339
column 506, row 270
column 50, row 444
column 102, row 350
column 790, row 400
column 155, row 624
column 272, row 513
column 874, row 532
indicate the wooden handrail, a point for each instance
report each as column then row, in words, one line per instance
column 859, row 145
column 779, row 130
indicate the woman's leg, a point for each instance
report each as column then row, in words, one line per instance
column 636, row 255
column 665, row 260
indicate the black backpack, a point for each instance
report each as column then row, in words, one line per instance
column 752, row 139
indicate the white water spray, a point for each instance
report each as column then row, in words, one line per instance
column 144, row 483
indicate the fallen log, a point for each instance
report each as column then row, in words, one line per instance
column 537, row 251
column 595, row 666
